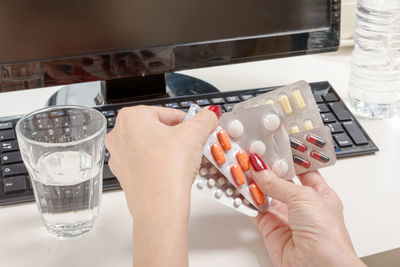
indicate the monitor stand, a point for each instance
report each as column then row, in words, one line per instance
column 123, row 90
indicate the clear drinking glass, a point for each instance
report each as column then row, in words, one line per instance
column 63, row 150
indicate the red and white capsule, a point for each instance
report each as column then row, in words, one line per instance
column 296, row 144
column 302, row 162
column 319, row 156
column 315, row 140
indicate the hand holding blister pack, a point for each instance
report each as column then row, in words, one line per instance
column 233, row 162
column 260, row 130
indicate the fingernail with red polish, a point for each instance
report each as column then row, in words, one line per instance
column 257, row 163
column 216, row 109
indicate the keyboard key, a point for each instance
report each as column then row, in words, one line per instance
column 171, row 105
column 5, row 125
column 318, row 99
column 202, row 102
column 340, row 111
column 7, row 135
column 330, row 97
column 14, row 184
column 108, row 113
column 232, row 99
column 342, row 140
column 228, row 107
column 14, row 169
column 186, row 104
column 9, row 158
column 328, row 117
column 218, row 100
column 107, row 174
column 8, row 146
column 246, row 97
column 110, row 122
column 355, row 133
column 323, row 108
column 335, row 127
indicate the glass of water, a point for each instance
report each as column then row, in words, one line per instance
column 63, row 150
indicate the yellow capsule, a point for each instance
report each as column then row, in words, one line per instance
column 285, row 104
column 298, row 98
column 308, row 124
column 294, row 129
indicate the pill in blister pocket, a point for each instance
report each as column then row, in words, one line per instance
column 269, row 101
column 237, row 202
column 221, row 181
column 319, row 156
column 294, row 129
column 218, row 193
column 257, row 147
column 224, row 140
column 203, row 172
column 229, row 192
column 285, row 104
column 235, row 128
column 218, row 153
column 211, row 182
column 280, row 167
column 308, row 125
column 302, row 162
column 243, row 160
column 213, row 170
column 201, row 184
column 256, row 193
column 271, row 122
column 315, row 140
column 238, row 174
column 296, row 144
column 298, row 98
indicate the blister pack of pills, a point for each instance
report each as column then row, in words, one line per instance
column 261, row 130
column 233, row 162
column 312, row 149
column 296, row 101
column 213, row 183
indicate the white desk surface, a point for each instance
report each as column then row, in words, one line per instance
column 369, row 187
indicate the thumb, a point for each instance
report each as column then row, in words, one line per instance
column 204, row 123
column 271, row 185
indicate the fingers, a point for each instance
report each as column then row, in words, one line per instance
column 167, row 116
column 204, row 123
column 270, row 184
column 314, row 180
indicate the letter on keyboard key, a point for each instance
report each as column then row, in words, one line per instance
column 342, row 140
column 328, row 117
column 14, row 184
column 355, row 133
column 8, row 146
column 7, row 135
column 12, row 157
column 14, row 169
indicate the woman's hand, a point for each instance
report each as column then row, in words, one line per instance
column 155, row 158
column 304, row 225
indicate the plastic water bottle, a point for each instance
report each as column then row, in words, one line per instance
column 374, row 90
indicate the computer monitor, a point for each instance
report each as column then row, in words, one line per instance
column 131, row 44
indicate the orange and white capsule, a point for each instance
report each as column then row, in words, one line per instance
column 237, row 174
column 224, row 140
column 243, row 160
column 256, row 193
column 218, row 153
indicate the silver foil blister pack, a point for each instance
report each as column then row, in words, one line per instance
column 261, row 130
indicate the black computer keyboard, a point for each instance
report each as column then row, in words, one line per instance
column 349, row 137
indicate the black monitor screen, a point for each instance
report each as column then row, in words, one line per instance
column 48, row 29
